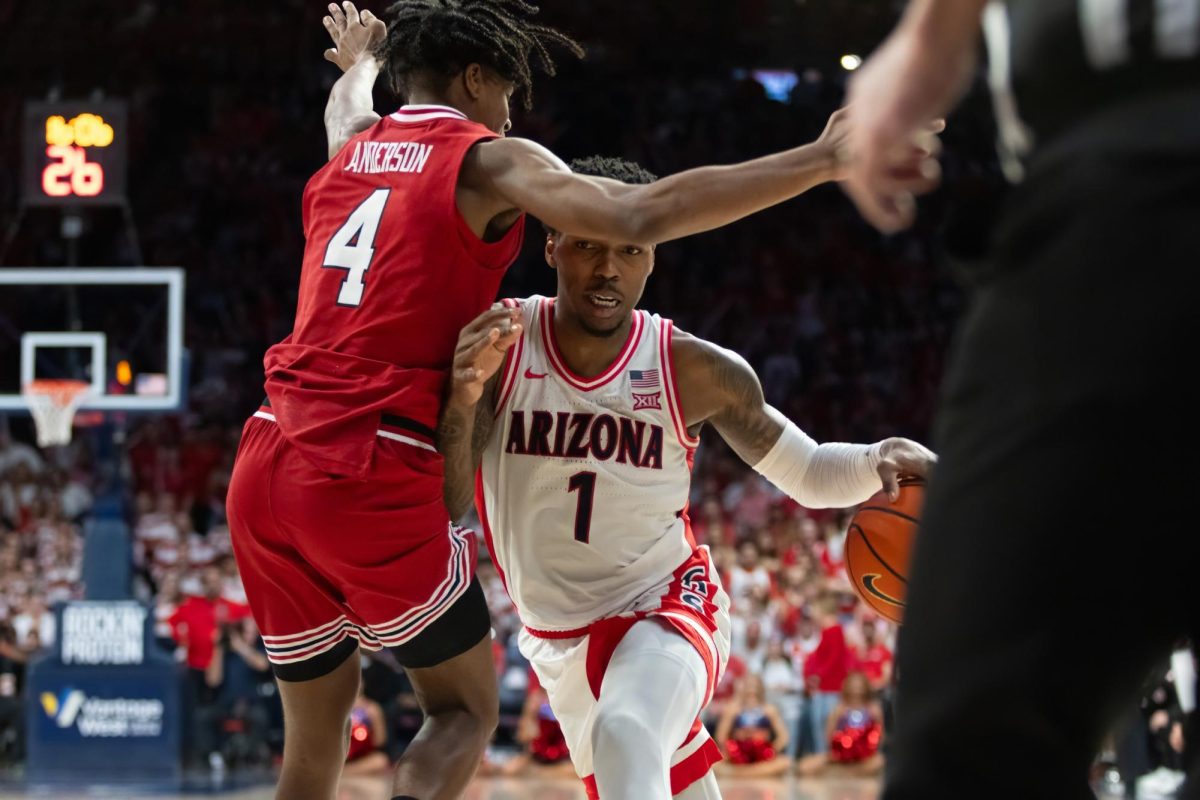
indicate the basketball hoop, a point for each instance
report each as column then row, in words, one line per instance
column 53, row 404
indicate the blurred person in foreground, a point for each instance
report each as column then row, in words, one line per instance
column 1064, row 406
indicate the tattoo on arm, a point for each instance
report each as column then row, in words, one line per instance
column 744, row 420
column 462, row 435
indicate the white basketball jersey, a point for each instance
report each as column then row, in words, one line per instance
column 584, row 483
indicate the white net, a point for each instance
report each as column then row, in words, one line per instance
column 53, row 405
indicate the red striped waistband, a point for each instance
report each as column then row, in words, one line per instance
column 571, row 634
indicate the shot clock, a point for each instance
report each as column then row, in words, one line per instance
column 75, row 153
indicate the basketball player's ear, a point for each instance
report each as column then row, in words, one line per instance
column 473, row 80
column 551, row 243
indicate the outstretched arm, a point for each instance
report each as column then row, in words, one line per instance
column 518, row 173
column 469, row 409
column 718, row 386
column 350, row 109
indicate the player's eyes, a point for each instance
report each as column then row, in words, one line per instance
column 582, row 245
column 633, row 251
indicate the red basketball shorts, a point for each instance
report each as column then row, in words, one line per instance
column 330, row 563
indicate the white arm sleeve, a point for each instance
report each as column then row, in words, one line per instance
column 831, row 475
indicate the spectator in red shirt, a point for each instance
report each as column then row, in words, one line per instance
column 825, row 669
column 198, row 620
column 196, row 625
column 873, row 657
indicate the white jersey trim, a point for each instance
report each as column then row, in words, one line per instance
column 380, row 432
column 424, row 113
column 396, row 437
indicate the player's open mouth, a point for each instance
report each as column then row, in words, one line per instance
column 603, row 300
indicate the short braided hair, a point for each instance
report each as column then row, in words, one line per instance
column 617, row 169
column 441, row 37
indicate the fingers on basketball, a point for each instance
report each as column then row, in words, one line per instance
column 879, row 548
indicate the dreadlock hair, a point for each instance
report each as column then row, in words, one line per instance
column 440, row 38
column 617, row 169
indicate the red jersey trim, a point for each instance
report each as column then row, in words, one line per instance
column 689, row 535
column 560, row 364
column 570, row 634
column 481, row 509
column 512, row 367
column 666, row 356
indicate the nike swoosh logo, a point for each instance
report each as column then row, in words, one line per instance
column 533, row 376
column 868, row 582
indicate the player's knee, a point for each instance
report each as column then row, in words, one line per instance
column 487, row 719
column 470, row 729
column 625, row 730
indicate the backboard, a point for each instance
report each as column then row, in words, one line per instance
column 119, row 328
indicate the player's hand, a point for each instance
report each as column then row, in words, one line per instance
column 480, row 352
column 885, row 176
column 355, row 34
column 835, row 139
column 1175, row 738
column 912, row 79
column 915, row 161
column 903, row 458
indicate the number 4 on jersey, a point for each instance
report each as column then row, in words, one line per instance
column 353, row 246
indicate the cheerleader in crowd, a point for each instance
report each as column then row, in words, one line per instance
column 752, row 734
column 854, row 731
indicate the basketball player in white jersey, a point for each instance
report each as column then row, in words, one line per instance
column 581, row 415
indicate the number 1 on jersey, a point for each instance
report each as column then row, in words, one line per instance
column 353, row 246
column 585, row 483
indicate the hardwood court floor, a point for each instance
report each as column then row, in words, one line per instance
column 526, row 789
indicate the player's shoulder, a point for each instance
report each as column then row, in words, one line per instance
column 711, row 378
column 530, row 307
column 697, row 359
column 494, row 158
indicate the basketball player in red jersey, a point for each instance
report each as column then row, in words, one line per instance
column 335, row 505
column 584, row 443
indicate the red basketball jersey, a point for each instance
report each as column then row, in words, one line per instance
column 392, row 273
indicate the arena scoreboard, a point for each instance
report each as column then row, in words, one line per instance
column 75, row 153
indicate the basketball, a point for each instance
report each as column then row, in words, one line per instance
column 879, row 545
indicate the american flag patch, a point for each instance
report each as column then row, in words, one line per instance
column 643, row 380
